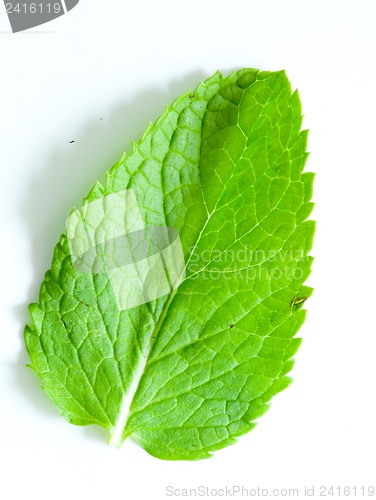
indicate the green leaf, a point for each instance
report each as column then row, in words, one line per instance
column 188, row 372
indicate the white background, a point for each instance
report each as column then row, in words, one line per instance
column 122, row 61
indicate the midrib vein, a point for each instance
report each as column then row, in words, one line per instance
column 116, row 435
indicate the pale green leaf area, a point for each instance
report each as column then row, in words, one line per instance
column 188, row 373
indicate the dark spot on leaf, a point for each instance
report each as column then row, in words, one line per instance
column 297, row 301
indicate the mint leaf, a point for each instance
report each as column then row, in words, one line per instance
column 191, row 369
